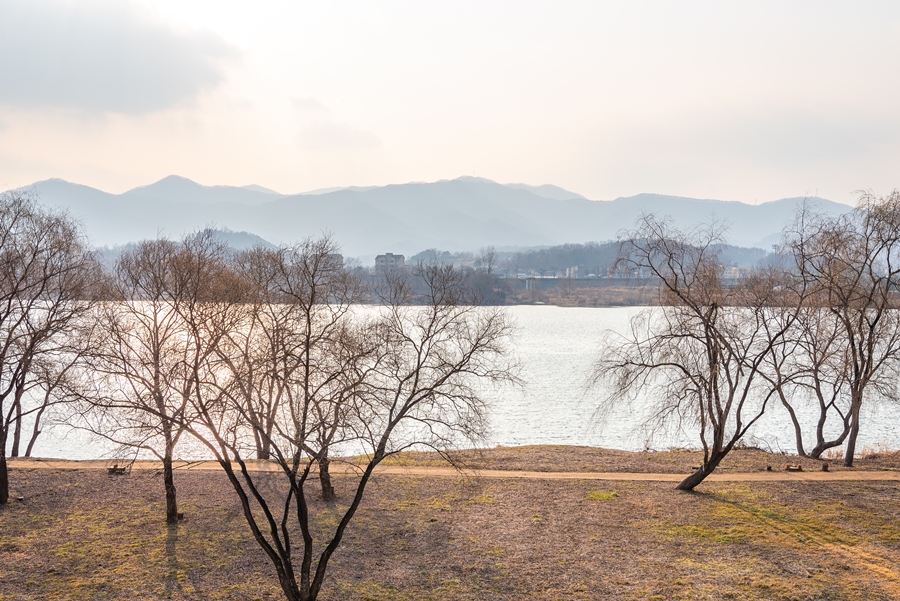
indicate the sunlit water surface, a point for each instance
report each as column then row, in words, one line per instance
column 557, row 348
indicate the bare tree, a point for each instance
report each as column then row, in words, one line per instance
column 823, row 375
column 811, row 365
column 566, row 286
column 488, row 257
column 415, row 372
column 142, row 365
column 295, row 345
column 46, row 275
column 702, row 350
column 811, row 361
column 854, row 262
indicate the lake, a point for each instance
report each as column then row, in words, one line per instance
column 557, row 347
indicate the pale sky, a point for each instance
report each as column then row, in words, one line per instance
column 749, row 101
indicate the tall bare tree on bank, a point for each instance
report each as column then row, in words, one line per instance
column 806, row 360
column 811, row 365
column 854, row 263
column 141, row 369
column 295, row 346
column 702, row 350
column 416, row 369
column 46, row 273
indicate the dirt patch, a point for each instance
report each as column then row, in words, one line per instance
column 81, row 534
column 561, row 458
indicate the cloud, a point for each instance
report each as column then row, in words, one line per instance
column 328, row 135
column 102, row 56
column 308, row 103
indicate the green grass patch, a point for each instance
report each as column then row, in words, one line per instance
column 599, row 495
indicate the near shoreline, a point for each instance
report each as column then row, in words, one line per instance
column 555, row 462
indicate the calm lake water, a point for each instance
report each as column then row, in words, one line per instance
column 557, row 347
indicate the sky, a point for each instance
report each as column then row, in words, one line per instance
column 750, row 101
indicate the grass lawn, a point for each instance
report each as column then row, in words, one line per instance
column 82, row 534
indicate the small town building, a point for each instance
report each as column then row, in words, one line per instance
column 389, row 261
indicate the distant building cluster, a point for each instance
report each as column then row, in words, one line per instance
column 594, row 261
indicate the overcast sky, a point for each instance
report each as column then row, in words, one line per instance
column 747, row 101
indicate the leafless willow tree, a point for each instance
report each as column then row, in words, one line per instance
column 852, row 336
column 383, row 379
column 811, row 365
column 141, row 367
column 702, row 350
column 46, row 283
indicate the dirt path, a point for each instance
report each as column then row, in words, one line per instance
column 761, row 476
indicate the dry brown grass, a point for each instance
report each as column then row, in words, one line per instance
column 563, row 458
column 86, row 535
column 611, row 296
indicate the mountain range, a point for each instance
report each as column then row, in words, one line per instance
column 461, row 214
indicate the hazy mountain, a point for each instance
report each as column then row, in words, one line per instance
column 547, row 191
column 180, row 189
column 463, row 214
column 327, row 190
column 255, row 188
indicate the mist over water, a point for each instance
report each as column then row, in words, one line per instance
column 557, row 348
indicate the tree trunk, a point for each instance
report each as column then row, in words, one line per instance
column 325, row 478
column 35, row 431
column 263, row 440
column 263, row 446
column 4, row 473
column 290, row 590
column 798, row 431
column 824, row 445
column 169, row 479
column 820, row 448
column 282, row 564
column 821, row 444
column 851, row 440
column 700, row 475
column 17, row 433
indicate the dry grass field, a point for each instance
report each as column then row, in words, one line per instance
column 82, row 534
column 557, row 458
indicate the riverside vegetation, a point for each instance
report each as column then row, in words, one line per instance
column 261, row 355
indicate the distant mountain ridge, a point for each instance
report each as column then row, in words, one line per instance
column 180, row 189
column 462, row 214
